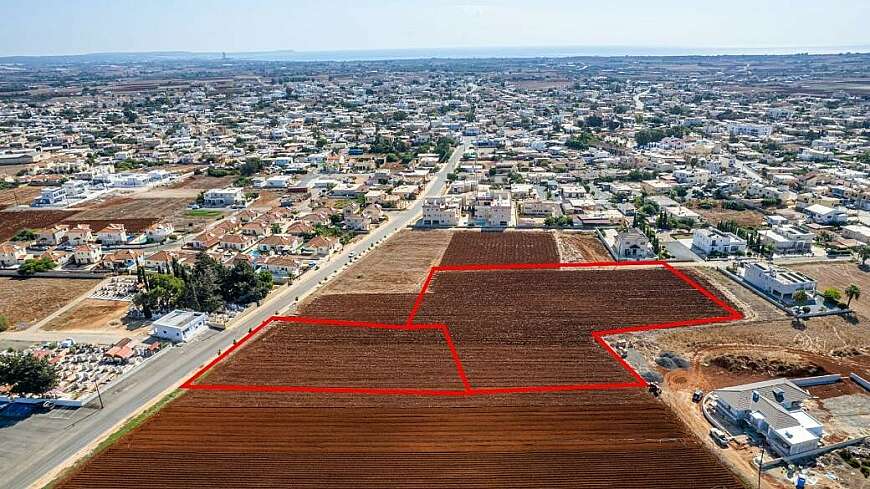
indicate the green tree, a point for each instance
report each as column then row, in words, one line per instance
column 24, row 235
column 202, row 286
column 27, row 374
column 30, row 267
column 852, row 292
column 4, row 323
column 832, row 294
column 243, row 285
column 864, row 254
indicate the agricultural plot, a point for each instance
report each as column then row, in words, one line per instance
column 624, row 440
column 508, row 328
column 335, row 356
column 141, row 207
column 533, row 327
column 12, row 221
column 506, row 247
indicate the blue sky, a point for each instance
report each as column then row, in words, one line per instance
column 82, row 26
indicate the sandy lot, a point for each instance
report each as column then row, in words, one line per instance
column 746, row 218
column 574, row 247
column 25, row 301
column 840, row 275
column 92, row 315
column 18, row 196
column 399, row 265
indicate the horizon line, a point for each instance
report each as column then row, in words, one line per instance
column 687, row 51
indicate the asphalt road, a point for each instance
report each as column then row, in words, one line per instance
column 46, row 451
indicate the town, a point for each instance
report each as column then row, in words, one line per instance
column 154, row 213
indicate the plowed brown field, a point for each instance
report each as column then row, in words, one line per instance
column 629, row 442
column 13, row 221
column 510, row 328
column 532, row 327
column 506, row 247
column 341, row 356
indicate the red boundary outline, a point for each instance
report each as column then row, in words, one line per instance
column 468, row 390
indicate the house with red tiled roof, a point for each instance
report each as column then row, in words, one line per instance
column 12, row 255
column 322, row 245
column 122, row 260
column 87, row 254
column 235, row 241
column 79, row 235
column 113, row 234
column 279, row 244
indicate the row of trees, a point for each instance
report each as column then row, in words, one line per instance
column 206, row 287
column 752, row 237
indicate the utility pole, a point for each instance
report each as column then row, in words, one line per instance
column 100, row 397
column 760, row 463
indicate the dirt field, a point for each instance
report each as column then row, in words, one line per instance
column 399, row 265
column 574, row 247
column 18, row 196
column 840, row 275
column 745, row 218
column 512, row 322
column 533, row 327
column 141, row 211
column 764, row 326
column 505, row 247
column 267, row 199
column 141, row 207
column 30, row 300
column 92, row 315
column 205, row 182
column 341, row 356
column 13, row 221
column 624, row 440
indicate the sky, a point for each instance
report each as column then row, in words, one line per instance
column 51, row 27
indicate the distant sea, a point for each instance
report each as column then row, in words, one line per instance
column 532, row 52
column 438, row 53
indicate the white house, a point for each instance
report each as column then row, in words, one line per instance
column 631, row 244
column 691, row 177
column 178, row 326
column 223, row 197
column 50, row 196
column 713, row 241
column 87, row 254
column 857, row 232
column 777, row 281
column 744, row 129
column 821, row 214
column 494, row 209
column 113, row 234
column 11, row 255
column 787, row 239
column 773, row 409
column 441, row 211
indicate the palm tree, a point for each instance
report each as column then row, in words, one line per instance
column 852, row 292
